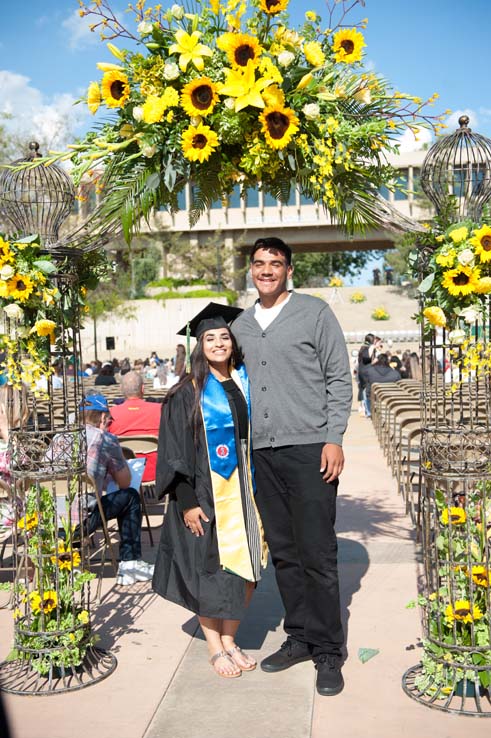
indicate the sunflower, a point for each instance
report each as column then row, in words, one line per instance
column 66, row 558
column 46, row 603
column 94, row 97
column 273, row 7
column 279, row 124
column 115, row 89
column 454, row 516
column 28, row 522
column 461, row 281
column 240, row 48
column 199, row 142
column 347, row 45
column 463, row 611
column 20, row 287
column 435, row 316
column 482, row 243
column 480, row 575
column 199, row 96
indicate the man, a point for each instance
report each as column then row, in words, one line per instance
column 136, row 417
column 299, row 369
column 105, row 461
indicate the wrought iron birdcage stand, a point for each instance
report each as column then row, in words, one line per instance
column 455, row 672
column 53, row 642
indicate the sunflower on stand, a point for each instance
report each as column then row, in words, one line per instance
column 222, row 92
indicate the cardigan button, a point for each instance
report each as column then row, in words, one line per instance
column 266, row 415
column 264, row 363
column 263, row 335
column 263, row 389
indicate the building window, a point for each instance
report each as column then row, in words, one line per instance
column 252, row 197
column 269, row 201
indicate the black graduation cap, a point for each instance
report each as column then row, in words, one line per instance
column 214, row 315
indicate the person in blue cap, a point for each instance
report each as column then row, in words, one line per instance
column 106, row 462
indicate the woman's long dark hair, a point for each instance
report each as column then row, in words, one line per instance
column 198, row 375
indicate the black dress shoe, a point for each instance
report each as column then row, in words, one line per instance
column 291, row 652
column 329, row 678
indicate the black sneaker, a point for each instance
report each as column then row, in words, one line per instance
column 329, row 678
column 291, row 652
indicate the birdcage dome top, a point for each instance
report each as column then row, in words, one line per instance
column 35, row 200
column 458, row 165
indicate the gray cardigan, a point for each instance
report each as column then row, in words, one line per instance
column 300, row 374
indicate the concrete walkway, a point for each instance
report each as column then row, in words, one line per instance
column 164, row 688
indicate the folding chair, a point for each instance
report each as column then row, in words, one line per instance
column 130, row 453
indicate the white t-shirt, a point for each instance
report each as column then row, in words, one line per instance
column 265, row 316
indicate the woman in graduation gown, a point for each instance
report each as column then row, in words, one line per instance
column 212, row 545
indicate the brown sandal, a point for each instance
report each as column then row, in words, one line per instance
column 224, row 655
column 237, row 649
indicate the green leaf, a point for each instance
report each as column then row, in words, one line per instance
column 153, row 181
column 27, row 239
column 365, row 654
column 427, row 282
column 46, row 267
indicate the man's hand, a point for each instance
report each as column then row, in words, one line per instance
column 192, row 520
column 332, row 462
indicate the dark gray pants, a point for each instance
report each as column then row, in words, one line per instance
column 298, row 510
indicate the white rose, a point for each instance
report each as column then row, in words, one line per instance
column 7, row 272
column 229, row 103
column 144, row 28
column 177, row 11
column 285, row 58
column 469, row 314
column 465, row 257
column 138, row 112
column 171, row 71
column 457, row 337
column 148, row 150
column 13, row 312
column 311, row 110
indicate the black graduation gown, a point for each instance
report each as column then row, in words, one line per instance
column 187, row 569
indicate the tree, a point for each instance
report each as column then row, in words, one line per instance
column 314, row 269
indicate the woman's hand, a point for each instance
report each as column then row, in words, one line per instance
column 192, row 520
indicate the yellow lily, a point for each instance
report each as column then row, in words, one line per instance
column 108, row 67
column 190, row 50
column 242, row 84
column 116, row 52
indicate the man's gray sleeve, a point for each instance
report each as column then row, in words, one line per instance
column 334, row 360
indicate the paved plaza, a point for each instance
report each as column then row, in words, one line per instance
column 163, row 686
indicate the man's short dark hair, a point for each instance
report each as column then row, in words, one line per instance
column 275, row 244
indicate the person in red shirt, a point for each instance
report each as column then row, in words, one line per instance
column 136, row 417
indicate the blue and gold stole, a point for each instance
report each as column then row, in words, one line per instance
column 222, row 456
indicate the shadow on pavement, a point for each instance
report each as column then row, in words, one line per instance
column 118, row 612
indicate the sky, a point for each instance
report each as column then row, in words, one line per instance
column 48, row 57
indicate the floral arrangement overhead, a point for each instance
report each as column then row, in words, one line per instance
column 458, row 276
column 226, row 92
column 380, row 313
column 31, row 304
